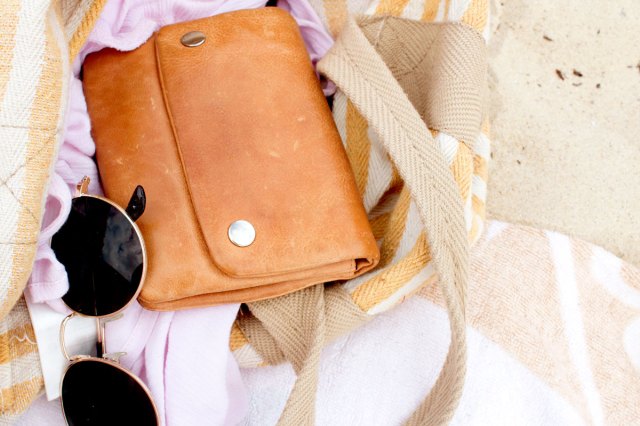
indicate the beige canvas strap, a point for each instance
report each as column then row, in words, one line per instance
column 297, row 323
column 341, row 316
column 297, row 326
column 441, row 67
column 356, row 68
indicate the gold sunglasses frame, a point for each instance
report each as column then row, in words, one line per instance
column 111, row 359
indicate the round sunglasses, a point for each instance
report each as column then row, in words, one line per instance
column 104, row 255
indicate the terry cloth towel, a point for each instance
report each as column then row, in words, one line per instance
column 553, row 339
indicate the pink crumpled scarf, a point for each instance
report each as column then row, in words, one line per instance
column 182, row 356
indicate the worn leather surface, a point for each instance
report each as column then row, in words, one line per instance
column 237, row 128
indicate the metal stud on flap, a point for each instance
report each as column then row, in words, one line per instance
column 193, row 39
column 242, row 233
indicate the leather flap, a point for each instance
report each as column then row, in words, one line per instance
column 258, row 143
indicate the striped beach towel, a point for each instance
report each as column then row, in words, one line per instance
column 36, row 44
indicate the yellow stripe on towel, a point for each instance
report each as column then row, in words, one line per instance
column 476, row 14
column 17, row 342
column 336, row 12
column 462, row 169
column 391, row 7
column 9, row 22
column 379, row 225
column 396, row 228
column 431, row 8
column 237, row 339
column 358, row 146
column 86, row 25
column 386, row 283
column 16, row 399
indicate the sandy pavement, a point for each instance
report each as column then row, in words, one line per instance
column 565, row 96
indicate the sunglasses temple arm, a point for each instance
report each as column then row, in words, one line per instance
column 101, row 344
column 83, row 186
column 63, row 327
column 137, row 203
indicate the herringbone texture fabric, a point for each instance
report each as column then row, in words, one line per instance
column 422, row 66
column 356, row 68
column 362, row 75
column 297, row 323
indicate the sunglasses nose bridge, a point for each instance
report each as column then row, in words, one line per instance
column 114, row 356
column 102, row 341
column 63, row 329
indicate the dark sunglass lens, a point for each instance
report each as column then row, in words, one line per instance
column 102, row 254
column 95, row 393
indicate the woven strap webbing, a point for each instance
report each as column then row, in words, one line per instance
column 297, row 324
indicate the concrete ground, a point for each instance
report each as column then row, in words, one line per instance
column 565, row 96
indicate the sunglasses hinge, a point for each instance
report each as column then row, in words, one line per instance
column 75, row 358
column 114, row 356
column 83, row 186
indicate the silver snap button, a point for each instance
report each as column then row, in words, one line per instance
column 242, row 233
column 193, row 39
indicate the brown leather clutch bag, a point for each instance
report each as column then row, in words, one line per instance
column 249, row 191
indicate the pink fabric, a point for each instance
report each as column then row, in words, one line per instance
column 183, row 356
